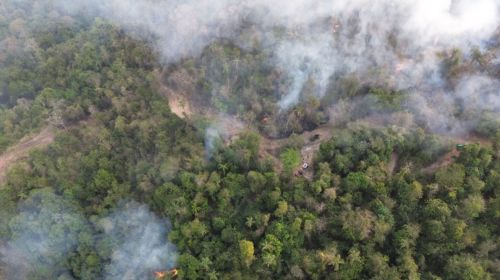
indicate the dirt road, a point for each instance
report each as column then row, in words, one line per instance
column 449, row 157
column 22, row 149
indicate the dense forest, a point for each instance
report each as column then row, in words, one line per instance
column 382, row 195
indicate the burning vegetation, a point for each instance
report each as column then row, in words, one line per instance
column 166, row 274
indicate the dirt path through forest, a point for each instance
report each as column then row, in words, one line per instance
column 22, row 149
column 449, row 157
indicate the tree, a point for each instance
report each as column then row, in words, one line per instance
column 406, row 238
column 256, row 180
column 408, row 197
column 189, row 266
column 451, row 179
column 43, row 233
column 473, row 205
column 437, row 209
column 330, row 258
column 271, row 249
column 323, row 179
column 247, row 252
column 282, row 209
column 290, row 159
column 353, row 265
column 378, row 267
column 357, row 224
column 465, row 267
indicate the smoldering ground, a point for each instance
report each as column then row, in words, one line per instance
column 49, row 229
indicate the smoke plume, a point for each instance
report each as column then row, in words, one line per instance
column 222, row 128
column 45, row 231
column 142, row 243
column 48, row 229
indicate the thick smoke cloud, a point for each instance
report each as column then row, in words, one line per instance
column 184, row 28
column 381, row 41
column 48, row 230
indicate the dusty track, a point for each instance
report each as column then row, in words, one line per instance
column 449, row 157
column 445, row 160
column 22, row 149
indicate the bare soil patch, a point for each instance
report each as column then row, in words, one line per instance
column 177, row 99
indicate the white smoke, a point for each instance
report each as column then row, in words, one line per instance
column 479, row 92
column 183, row 28
column 222, row 128
column 212, row 135
column 446, row 20
column 377, row 40
column 395, row 44
column 143, row 246
column 45, row 231
column 440, row 109
column 48, row 229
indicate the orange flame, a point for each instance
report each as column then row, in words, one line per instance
column 161, row 274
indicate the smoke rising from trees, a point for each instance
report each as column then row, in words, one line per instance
column 49, row 229
column 399, row 43
column 45, row 231
column 143, row 247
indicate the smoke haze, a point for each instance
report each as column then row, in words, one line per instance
column 142, row 243
column 45, row 231
column 398, row 42
column 48, row 229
